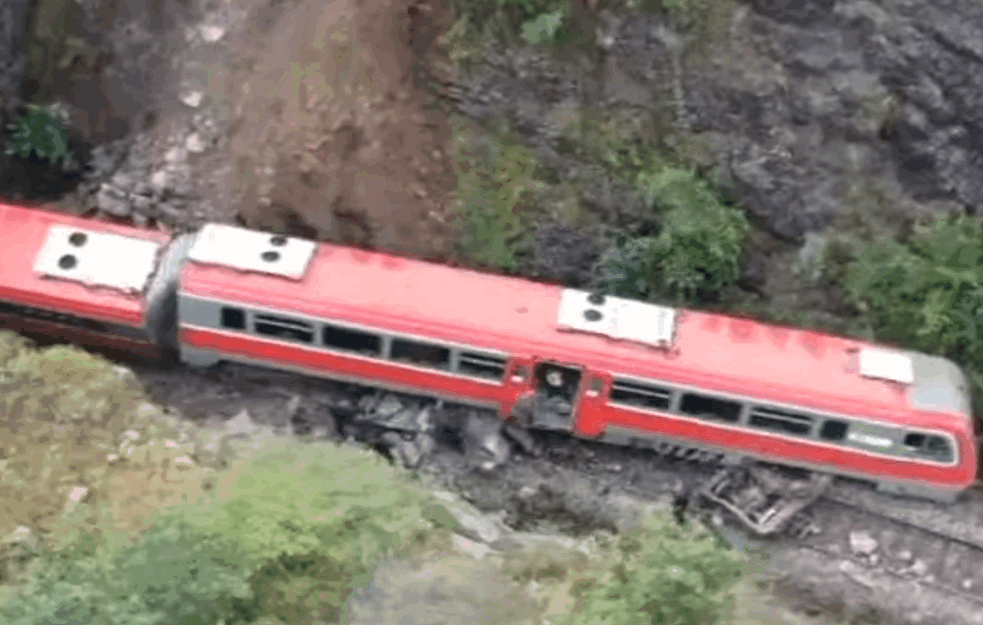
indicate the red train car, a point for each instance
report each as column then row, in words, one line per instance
column 599, row 367
column 85, row 281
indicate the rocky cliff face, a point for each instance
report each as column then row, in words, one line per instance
column 12, row 61
column 806, row 110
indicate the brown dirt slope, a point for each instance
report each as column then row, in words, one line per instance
column 332, row 135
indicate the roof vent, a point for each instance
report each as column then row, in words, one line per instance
column 98, row 258
column 249, row 250
column 886, row 365
column 617, row 318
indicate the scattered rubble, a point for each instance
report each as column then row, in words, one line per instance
column 862, row 543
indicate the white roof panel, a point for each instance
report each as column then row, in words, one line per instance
column 886, row 365
column 249, row 250
column 98, row 258
column 617, row 318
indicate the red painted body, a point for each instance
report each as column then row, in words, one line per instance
column 714, row 352
column 22, row 235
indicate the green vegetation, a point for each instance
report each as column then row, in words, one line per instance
column 538, row 21
column 41, row 131
column 62, row 412
column 697, row 249
column 282, row 538
column 496, row 196
column 922, row 289
column 661, row 573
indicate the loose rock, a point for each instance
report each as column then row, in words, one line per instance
column 862, row 543
column 112, row 200
column 474, row 524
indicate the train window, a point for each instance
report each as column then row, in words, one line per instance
column 422, row 354
column 933, row 447
column 938, row 448
column 640, row 395
column 783, row 421
column 233, row 318
column 481, row 365
column 833, row 430
column 914, row 440
column 284, row 328
column 708, row 407
column 365, row 343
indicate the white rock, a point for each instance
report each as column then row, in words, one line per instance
column 78, row 493
column 183, row 460
column 174, row 155
column 473, row 523
column 919, row 568
column 194, row 144
column 158, row 180
column 862, row 543
column 22, row 536
column 470, row 547
column 211, row 34
column 242, row 423
column 192, row 98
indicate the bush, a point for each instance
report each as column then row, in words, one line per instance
column 664, row 574
column 495, row 195
column 40, row 131
column 287, row 535
column 538, row 21
column 697, row 249
column 924, row 291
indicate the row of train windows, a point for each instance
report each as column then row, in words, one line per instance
column 470, row 363
column 490, row 366
column 704, row 406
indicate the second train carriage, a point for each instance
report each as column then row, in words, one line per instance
column 599, row 367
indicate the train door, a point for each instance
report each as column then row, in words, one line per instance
column 553, row 403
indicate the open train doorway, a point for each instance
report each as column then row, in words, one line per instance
column 557, row 388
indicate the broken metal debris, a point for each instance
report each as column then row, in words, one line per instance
column 762, row 499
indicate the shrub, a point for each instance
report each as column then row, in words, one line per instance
column 495, row 195
column 924, row 291
column 287, row 534
column 698, row 246
column 661, row 573
column 538, row 21
column 41, row 131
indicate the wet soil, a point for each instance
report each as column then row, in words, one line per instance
column 330, row 131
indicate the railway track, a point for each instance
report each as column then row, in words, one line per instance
column 930, row 545
column 903, row 550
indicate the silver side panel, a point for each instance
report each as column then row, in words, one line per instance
column 162, row 293
column 939, row 385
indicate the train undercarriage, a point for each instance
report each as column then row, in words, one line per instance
column 767, row 500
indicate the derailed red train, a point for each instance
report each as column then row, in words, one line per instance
column 600, row 367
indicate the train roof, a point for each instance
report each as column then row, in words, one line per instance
column 708, row 350
column 44, row 262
